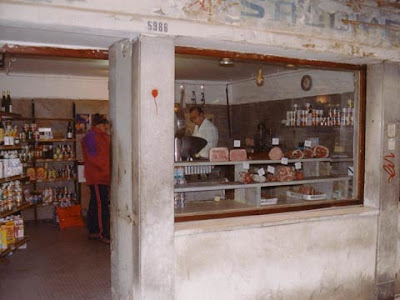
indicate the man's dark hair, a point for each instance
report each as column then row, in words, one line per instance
column 99, row 119
column 196, row 108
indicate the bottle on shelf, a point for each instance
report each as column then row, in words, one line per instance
column 338, row 115
column 3, row 102
column 69, row 131
column 350, row 112
column 9, row 103
column 2, row 131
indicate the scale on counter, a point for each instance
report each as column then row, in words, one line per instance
column 188, row 146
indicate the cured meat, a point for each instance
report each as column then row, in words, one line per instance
column 237, row 155
column 275, row 153
column 308, row 153
column 246, row 177
column 320, row 151
column 299, row 175
column 284, row 173
column 294, row 154
column 219, row 154
column 259, row 178
column 307, row 190
column 297, row 154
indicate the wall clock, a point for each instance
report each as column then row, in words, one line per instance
column 306, row 82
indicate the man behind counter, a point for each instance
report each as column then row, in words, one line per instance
column 203, row 129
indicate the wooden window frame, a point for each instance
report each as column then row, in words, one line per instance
column 359, row 199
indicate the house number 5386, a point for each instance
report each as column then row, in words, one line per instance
column 157, row 26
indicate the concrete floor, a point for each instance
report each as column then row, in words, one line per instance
column 57, row 265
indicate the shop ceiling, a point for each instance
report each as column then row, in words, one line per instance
column 187, row 67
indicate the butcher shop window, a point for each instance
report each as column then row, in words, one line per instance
column 289, row 134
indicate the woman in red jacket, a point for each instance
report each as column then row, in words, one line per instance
column 96, row 155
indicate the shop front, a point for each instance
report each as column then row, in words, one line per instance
column 317, row 219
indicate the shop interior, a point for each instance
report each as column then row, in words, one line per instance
column 307, row 116
column 296, row 127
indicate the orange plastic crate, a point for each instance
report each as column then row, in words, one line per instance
column 70, row 216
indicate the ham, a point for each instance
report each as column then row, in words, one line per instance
column 308, row 153
column 294, row 154
column 297, row 154
column 320, row 151
column 284, row 173
column 275, row 153
column 219, row 154
column 237, row 155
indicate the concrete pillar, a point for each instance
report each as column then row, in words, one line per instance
column 142, row 255
column 382, row 167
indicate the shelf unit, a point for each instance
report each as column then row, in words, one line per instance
column 13, row 247
column 204, row 186
column 56, row 141
column 40, row 161
column 55, row 180
column 15, row 210
column 247, row 197
column 13, row 178
column 55, row 160
column 35, row 143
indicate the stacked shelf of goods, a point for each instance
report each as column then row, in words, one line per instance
column 198, row 187
column 12, row 247
column 27, row 141
column 12, row 233
column 16, row 209
column 248, row 196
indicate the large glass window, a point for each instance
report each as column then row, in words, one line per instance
column 289, row 136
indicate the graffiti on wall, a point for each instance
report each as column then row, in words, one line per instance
column 342, row 16
column 389, row 166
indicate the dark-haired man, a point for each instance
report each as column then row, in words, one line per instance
column 204, row 129
column 96, row 155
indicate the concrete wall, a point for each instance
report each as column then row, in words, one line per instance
column 55, row 87
column 306, row 255
column 331, row 30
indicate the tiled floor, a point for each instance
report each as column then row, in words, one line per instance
column 57, row 265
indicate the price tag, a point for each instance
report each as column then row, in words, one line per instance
column 271, row 169
column 261, row 172
column 307, row 143
column 392, row 130
column 236, row 143
column 284, row 161
column 297, row 165
column 246, row 165
column 275, row 141
column 391, row 144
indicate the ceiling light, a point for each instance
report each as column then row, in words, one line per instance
column 226, row 61
column 291, row 66
column 260, row 78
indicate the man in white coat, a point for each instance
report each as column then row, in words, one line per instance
column 204, row 129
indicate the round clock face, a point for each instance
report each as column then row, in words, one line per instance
column 306, row 82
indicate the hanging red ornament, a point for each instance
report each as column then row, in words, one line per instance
column 154, row 93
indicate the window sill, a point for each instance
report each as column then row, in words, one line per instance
column 258, row 221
